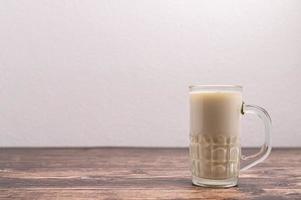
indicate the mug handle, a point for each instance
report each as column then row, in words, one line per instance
column 266, row 147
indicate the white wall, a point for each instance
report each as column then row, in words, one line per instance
column 77, row 73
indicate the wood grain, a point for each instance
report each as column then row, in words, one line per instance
column 135, row 173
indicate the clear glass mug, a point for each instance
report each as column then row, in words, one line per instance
column 215, row 151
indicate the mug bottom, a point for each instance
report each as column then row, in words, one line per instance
column 225, row 183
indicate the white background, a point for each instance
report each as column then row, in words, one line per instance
column 106, row 73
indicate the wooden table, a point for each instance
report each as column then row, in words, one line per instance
column 135, row 173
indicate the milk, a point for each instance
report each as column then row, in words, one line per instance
column 214, row 134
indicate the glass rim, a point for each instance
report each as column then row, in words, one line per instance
column 199, row 87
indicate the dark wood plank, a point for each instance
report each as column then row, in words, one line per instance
column 135, row 173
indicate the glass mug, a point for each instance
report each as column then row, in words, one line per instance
column 215, row 151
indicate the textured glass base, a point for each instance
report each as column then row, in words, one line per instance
column 225, row 183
